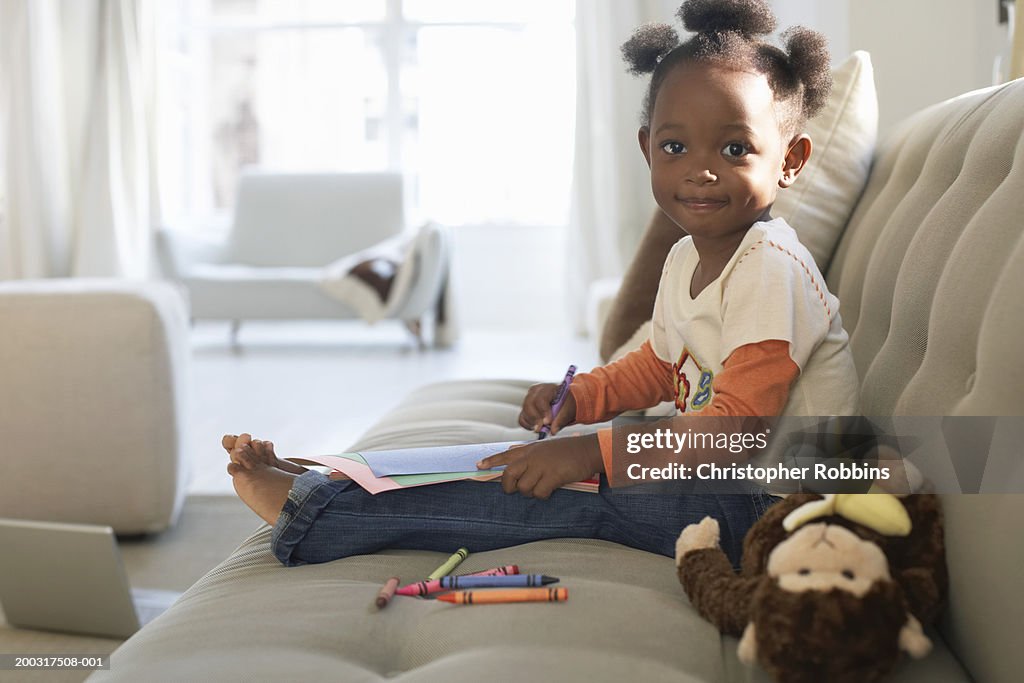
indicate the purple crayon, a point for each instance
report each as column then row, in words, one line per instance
column 452, row 582
column 558, row 400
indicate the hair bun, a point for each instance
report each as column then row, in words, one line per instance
column 648, row 44
column 809, row 59
column 746, row 17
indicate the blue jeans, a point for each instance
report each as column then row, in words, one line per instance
column 325, row 520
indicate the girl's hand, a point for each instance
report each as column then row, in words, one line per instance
column 537, row 469
column 536, row 411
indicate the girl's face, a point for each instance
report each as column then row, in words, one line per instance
column 716, row 151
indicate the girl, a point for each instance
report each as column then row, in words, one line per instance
column 743, row 324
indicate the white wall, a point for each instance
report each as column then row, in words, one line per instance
column 510, row 277
column 831, row 17
column 925, row 51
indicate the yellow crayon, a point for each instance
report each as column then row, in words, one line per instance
column 451, row 563
column 486, row 597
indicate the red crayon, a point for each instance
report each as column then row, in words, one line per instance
column 485, row 597
column 507, row 570
column 422, row 588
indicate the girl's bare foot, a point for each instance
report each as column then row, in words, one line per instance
column 258, row 481
column 229, row 440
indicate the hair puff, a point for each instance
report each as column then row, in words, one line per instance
column 747, row 17
column 809, row 60
column 646, row 47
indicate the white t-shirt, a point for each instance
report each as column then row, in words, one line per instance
column 770, row 289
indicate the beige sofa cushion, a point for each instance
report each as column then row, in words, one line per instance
column 627, row 619
column 930, row 271
column 930, row 275
column 93, row 386
column 985, row 611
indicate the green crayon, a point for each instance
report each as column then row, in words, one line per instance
column 451, row 563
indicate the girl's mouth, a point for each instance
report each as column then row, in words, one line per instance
column 702, row 204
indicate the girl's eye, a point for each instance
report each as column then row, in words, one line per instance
column 673, row 148
column 734, row 149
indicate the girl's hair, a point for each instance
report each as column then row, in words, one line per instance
column 726, row 33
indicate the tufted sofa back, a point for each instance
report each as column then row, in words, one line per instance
column 930, row 270
column 930, row 273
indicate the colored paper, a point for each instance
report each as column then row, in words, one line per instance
column 433, row 459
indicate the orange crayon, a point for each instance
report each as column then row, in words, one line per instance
column 487, row 597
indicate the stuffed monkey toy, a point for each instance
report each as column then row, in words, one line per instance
column 831, row 587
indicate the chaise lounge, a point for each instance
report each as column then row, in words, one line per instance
column 288, row 232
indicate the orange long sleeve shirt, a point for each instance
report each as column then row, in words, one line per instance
column 754, row 381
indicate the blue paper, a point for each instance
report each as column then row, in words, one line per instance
column 460, row 458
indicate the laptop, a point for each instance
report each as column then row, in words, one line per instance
column 69, row 578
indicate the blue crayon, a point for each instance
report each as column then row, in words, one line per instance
column 451, row 582
column 514, row 581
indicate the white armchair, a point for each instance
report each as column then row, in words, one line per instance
column 286, row 229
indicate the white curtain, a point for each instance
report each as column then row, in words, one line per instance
column 612, row 200
column 34, row 228
column 77, row 122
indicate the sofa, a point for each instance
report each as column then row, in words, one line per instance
column 930, row 273
column 290, row 233
column 79, row 356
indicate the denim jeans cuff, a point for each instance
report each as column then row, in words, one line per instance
column 311, row 492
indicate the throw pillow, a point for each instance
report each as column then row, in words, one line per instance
column 375, row 282
column 821, row 200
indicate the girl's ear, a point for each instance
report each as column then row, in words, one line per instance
column 796, row 157
column 644, row 136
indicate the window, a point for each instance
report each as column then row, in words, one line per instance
column 472, row 101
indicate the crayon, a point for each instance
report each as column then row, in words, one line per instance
column 506, row 595
column 387, row 591
column 451, row 563
column 556, row 403
column 450, row 582
column 507, row 570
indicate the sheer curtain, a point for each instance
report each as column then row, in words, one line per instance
column 76, row 121
column 612, row 200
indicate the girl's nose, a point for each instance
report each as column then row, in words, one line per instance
column 701, row 176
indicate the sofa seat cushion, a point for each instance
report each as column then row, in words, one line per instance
column 256, row 292
column 627, row 618
column 241, row 271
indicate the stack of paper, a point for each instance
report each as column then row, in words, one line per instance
column 378, row 471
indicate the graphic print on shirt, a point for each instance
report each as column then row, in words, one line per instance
column 690, row 377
